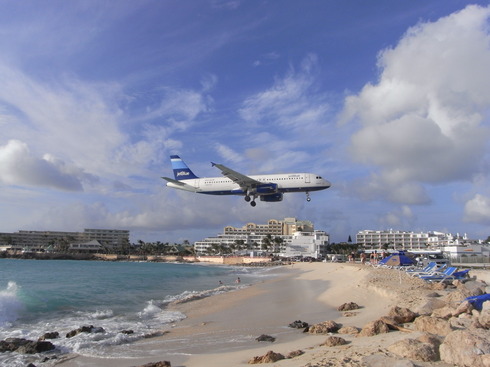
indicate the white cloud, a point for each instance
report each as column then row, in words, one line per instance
column 426, row 120
column 477, row 209
column 19, row 167
column 291, row 103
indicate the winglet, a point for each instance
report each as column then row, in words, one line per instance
column 213, row 164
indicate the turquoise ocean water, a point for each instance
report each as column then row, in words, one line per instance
column 61, row 295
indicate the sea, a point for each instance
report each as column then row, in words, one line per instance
column 40, row 296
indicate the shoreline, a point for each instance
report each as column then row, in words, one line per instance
column 310, row 292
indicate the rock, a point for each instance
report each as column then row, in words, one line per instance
column 464, row 348
column 464, row 307
column 402, row 315
column 298, row 324
column 269, row 357
column 294, row 354
column 484, row 319
column 25, row 346
column 127, row 332
column 85, row 329
column 349, row 306
column 50, row 335
column 445, row 312
column 157, row 364
column 351, row 330
column 265, row 338
column 431, row 305
column 324, row 327
column 414, row 349
column 433, row 325
column 374, row 328
column 333, row 341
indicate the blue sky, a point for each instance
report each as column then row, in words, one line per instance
column 390, row 101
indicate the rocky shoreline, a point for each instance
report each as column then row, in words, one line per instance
column 419, row 324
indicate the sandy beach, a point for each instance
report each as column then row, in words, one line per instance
column 310, row 292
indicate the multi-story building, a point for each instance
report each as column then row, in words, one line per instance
column 394, row 239
column 273, row 237
column 43, row 240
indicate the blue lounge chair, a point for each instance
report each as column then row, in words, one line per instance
column 427, row 269
column 439, row 276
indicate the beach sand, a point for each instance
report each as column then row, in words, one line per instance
column 309, row 292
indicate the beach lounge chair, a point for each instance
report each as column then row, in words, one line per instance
column 439, row 276
column 427, row 269
column 435, row 270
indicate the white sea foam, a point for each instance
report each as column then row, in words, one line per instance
column 10, row 304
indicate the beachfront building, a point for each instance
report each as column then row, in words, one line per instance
column 40, row 241
column 397, row 240
column 274, row 237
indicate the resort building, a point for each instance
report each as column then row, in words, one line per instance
column 288, row 237
column 56, row 240
column 399, row 240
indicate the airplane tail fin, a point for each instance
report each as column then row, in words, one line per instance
column 181, row 170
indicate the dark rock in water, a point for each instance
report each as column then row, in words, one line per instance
column 298, row 324
column 51, row 335
column 265, row 338
column 127, row 332
column 85, row 329
column 157, row 364
column 25, row 346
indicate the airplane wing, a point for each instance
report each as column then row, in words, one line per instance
column 242, row 180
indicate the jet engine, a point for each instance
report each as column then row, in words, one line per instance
column 268, row 188
column 272, row 197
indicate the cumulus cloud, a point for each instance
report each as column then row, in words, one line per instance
column 19, row 167
column 477, row 209
column 426, row 119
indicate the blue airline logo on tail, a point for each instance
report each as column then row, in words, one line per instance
column 181, row 170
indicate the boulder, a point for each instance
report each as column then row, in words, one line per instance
column 431, row 305
column 25, row 346
column 464, row 348
column 50, row 335
column 402, row 315
column 333, row 341
column 349, row 306
column 351, row 330
column 294, row 354
column 374, row 328
column 324, row 327
column 269, row 357
column 484, row 319
column 265, row 338
column 445, row 312
column 298, row 324
column 433, row 325
column 415, row 349
column 85, row 329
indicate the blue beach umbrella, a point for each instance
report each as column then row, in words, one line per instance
column 397, row 260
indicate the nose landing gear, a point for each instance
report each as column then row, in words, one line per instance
column 308, row 199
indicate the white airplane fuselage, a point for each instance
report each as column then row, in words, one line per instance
column 288, row 182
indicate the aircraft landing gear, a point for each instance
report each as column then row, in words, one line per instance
column 308, row 199
column 253, row 203
column 247, row 198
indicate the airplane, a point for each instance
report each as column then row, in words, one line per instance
column 267, row 187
